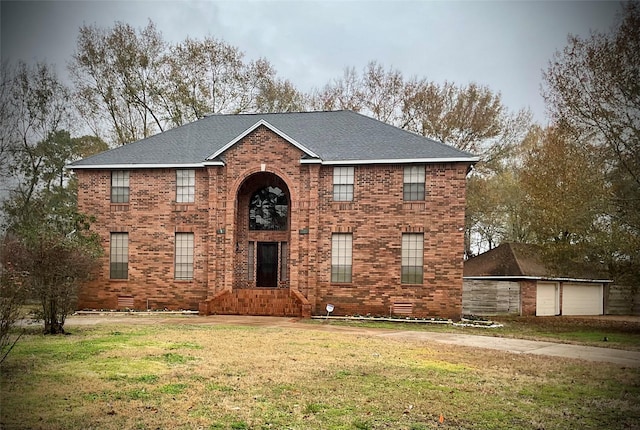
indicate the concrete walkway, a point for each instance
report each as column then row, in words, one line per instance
column 515, row 346
column 521, row 346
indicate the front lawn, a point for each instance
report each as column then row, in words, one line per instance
column 231, row 377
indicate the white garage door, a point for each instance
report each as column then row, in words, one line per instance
column 547, row 299
column 582, row 299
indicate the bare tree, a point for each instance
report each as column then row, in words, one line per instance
column 211, row 76
column 593, row 91
column 51, row 249
column 383, row 92
column 12, row 296
column 36, row 105
column 116, row 72
column 593, row 87
column 344, row 93
column 7, row 132
column 471, row 118
column 279, row 96
column 145, row 85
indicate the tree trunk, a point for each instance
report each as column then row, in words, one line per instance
column 53, row 327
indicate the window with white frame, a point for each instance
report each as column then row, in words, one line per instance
column 184, row 256
column 119, row 256
column 341, row 254
column 120, row 186
column 343, row 184
column 185, row 185
column 413, row 184
column 412, row 258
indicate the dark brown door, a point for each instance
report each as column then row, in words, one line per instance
column 267, row 270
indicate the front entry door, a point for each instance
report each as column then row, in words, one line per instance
column 267, row 262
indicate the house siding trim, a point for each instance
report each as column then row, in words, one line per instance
column 392, row 161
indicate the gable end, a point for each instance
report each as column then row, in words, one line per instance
column 242, row 135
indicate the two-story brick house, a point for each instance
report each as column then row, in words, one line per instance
column 278, row 214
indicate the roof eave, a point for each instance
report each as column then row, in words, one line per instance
column 537, row 278
column 393, row 161
column 130, row 166
column 210, row 161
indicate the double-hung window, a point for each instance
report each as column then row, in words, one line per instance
column 185, row 185
column 120, row 186
column 119, row 256
column 412, row 258
column 341, row 252
column 343, row 184
column 184, row 256
column 413, row 184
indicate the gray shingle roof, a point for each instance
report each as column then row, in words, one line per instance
column 328, row 137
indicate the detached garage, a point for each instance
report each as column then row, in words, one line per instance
column 511, row 279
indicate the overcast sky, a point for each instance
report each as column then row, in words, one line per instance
column 504, row 45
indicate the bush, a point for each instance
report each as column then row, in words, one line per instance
column 12, row 296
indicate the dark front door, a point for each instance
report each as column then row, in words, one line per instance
column 267, row 271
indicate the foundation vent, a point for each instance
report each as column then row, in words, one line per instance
column 401, row 309
column 125, row 302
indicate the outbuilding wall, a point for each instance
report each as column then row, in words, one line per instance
column 496, row 297
column 622, row 300
column 490, row 297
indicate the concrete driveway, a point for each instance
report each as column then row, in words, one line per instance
column 515, row 346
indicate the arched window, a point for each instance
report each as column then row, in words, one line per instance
column 268, row 209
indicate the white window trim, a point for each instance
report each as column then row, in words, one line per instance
column 185, row 193
column 343, row 183
column 412, row 257
column 183, row 256
column 342, row 257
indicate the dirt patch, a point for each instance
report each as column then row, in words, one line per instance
column 614, row 323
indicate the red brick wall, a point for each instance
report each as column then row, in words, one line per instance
column 528, row 290
column 151, row 219
column 377, row 218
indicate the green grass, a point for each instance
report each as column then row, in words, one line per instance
column 213, row 377
column 174, row 388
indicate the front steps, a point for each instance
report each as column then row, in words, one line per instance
column 281, row 302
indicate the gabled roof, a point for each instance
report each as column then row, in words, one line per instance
column 264, row 123
column 517, row 261
column 337, row 137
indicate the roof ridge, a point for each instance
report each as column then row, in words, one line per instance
column 515, row 257
column 274, row 113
